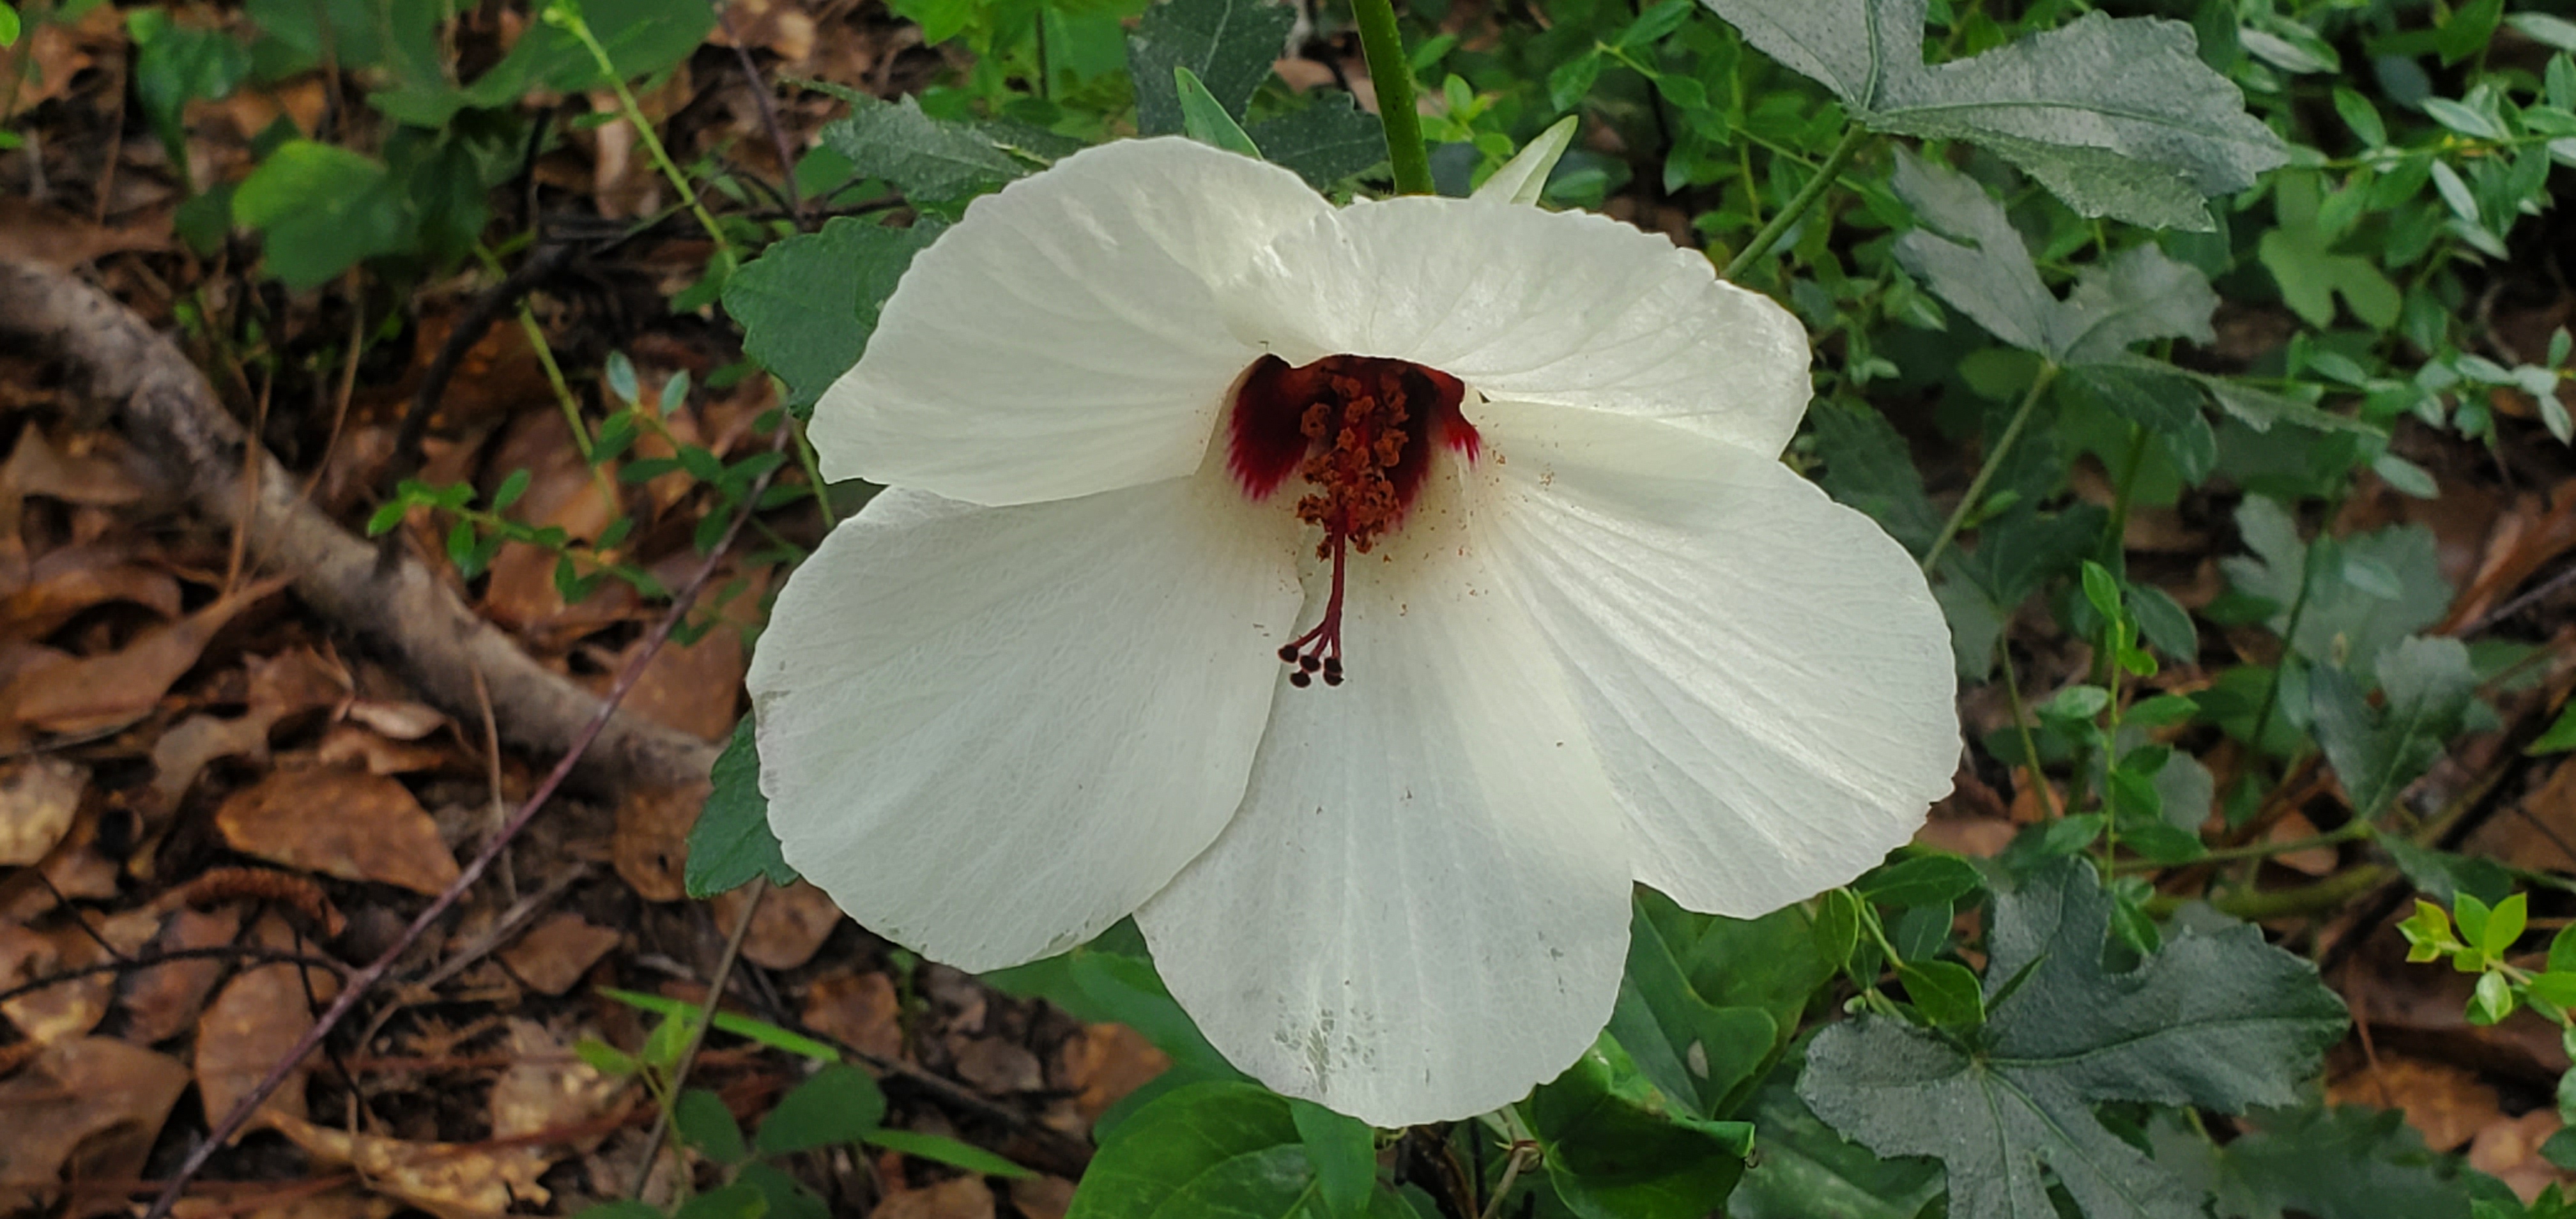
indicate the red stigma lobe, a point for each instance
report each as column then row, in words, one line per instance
column 1361, row 430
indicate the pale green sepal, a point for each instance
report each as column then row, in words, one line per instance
column 1204, row 119
column 1523, row 178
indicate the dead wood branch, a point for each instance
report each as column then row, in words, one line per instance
column 400, row 608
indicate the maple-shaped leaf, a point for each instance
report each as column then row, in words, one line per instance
column 2346, row 1163
column 2223, row 1020
column 1969, row 253
column 2119, row 117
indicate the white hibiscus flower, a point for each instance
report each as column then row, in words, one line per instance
column 1170, row 438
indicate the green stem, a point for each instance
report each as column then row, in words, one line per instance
column 2264, row 850
column 811, row 462
column 1393, row 76
column 1986, row 472
column 2289, row 649
column 2021, row 724
column 1798, row 204
column 634, row 113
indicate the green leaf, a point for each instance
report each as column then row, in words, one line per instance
column 2560, row 737
column 9, row 26
column 808, row 304
column 2428, row 684
column 731, row 845
column 940, row 1149
column 2342, row 625
column 2220, row 1020
column 1700, row 1055
column 787, row 1197
column 1615, row 1150
column 704, row 1123
column 2344, row 1163
column 740, row 1200
column 841, row 1104
column 1970, row 254
column 1867, row 466
column 323, row 208
column 1327, row 141
column 642, row 37
column 1929, row 879
column 1220, row 1148
column 1342, row 1151
column 2467, row 30
column 1805, row 1170
column 2444, row 875
column 683, row 1013
column 1204, row 120
column 1944, row 991
column 2143, row 393
column 1097, row 984
column 1228, row 44
column 2117, row 117
column 2299, row 252
column 931, row 160
column 1524, row 178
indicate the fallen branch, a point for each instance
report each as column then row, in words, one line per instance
column 400, row 608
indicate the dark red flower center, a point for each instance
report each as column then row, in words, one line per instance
column 1362, row 430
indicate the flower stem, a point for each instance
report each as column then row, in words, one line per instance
column 1393, row 77
column 1986, row 473
column 1796, row 206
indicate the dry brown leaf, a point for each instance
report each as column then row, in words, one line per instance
column 692, row 688
column 71, row 579
column 97, row 479
column 38, row 796
column 183, row 752
column 252, row 1024
column 777, row 26
column 453, row 1180
column 562, row 492
column 1042, row 1197
column 340, row 822
column 548, row 1088
column 2445, row 1103
column 402, row 721
column 956, row 1198
column 1107, row 1062
column 298, row 679
column 787, row 930
column 554, row 954
column 997, row 1065
column 2312, row 861
column 860, row 1011
column 66, row 1009
column 345, row 744
column 651, row 846
column 2509, row 1151
column 86, row 1109
column 95, row 693
column 59, row 53
column 163, row 1001
column 293, row 1200
column 52, row 237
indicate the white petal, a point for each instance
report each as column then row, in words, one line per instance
column 1421, row 910
column 1768, row 680
column 1063, row 338
column 1565, row 308
column 989, row 733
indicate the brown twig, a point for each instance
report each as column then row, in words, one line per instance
column 706, row 1018
column 403, row 608
column 359, row 983
column 768, row 112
